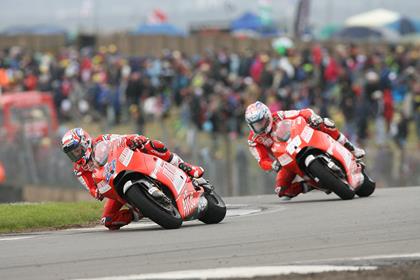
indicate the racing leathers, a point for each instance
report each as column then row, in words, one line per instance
column 260, row 147
column 113, row 217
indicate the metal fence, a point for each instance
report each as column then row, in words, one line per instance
column 40, row 162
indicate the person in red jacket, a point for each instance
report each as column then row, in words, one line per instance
column 78, row 146
column 261, row 121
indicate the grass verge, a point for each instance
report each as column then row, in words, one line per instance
column 19, row 217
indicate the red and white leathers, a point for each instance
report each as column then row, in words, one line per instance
column 113, row 217
column 260, row 147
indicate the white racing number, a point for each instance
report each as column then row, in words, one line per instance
column 294, row 145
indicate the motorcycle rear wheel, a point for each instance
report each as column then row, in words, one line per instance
column 329, row 180
column 216, row 209
column 166, row 216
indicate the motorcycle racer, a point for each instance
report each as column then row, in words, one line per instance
column 78, row 145
column 261, row 121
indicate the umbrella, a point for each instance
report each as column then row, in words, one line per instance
column 282, row 44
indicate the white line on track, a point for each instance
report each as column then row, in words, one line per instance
column 373, row 257
column 395, row 256
column 234, row 210
column 236, row 272
column 15, row 238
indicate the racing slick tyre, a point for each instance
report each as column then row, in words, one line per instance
column 328, row 179
column 367, row 188
column 216, row 209
column 162, row 212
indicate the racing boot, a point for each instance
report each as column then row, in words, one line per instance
column 357, row 152
column 191, row 170
column 137, row 215
column 286, row 193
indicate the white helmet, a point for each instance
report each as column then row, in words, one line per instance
column 259, row 118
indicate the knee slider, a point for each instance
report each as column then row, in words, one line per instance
column 106, row 221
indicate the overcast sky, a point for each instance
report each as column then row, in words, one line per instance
column 109, row 15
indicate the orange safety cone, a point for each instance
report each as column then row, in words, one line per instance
column 2, row 174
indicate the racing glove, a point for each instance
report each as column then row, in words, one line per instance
column 136, row 142
column 315, row 121
column 276, row 166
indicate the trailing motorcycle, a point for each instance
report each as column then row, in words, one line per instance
column 159, row 190
column 319, row 160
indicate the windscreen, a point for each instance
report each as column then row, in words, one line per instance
column 282, row 130
column 100, row 153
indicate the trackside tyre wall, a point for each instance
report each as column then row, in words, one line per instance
column 216, row 209
column 329, row 180
column 151, row 210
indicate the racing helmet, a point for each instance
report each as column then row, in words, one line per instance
column 258, row 117
column 77, row 145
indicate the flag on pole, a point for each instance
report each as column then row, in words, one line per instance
column 157, row 16
column 302, row 18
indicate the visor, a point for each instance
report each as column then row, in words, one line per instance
column 75, row 153
column 259, row 126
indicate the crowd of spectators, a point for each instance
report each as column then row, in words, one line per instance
column 354, row 85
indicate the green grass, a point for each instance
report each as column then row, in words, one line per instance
column 50, row 215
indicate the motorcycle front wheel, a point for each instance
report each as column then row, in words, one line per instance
column 164, row 213
column 216, row 209
column 329, row 180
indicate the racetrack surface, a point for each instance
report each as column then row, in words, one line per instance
column 312, row 229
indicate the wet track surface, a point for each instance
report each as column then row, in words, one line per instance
column 313, row 229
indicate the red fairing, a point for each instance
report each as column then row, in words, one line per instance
column 260, row 145
column 302, row 135
column 120, row 157
column 112, row 215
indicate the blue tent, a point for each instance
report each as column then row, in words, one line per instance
column 251, row 21
column 158, row 29
column 247, row 21
column 404, row 26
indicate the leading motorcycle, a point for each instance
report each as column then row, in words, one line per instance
column 160, row 191
column 319, row 160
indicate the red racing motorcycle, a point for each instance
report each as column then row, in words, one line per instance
column 319, row 160
column 159, row 190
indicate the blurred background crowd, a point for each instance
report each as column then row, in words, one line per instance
column 195, row 102
column 349, row 83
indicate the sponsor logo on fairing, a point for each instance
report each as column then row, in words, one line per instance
column 285, row 159
column 307, row 134
column 189, row 205
column 103, row 187
column 110, row 170
column 126, row 156
column 175, row 175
